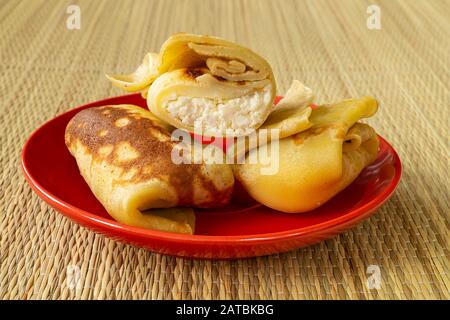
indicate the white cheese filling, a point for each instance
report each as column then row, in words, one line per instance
column 238, row 116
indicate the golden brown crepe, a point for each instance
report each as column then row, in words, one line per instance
column 124, row 154
column 205, row 85
column 314, row 165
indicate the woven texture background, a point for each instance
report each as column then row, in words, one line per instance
column 46, row 69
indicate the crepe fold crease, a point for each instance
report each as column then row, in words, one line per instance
column 205, row 85
column 124, row 154
column 316, row 164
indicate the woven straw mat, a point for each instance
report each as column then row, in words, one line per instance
column 47, row 69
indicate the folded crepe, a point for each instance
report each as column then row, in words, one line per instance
column 125, row 155
column 205, row 85
column 292, row 112
column 314, row 165
column 290, row 116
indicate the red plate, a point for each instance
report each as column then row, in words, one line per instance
column 242, row 229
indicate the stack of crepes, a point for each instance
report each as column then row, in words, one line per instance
column 214, row 87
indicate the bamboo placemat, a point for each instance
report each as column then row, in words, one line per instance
column 47, row 69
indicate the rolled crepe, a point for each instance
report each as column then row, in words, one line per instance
column 206, row 85
column 125, row 155
column 314, row 165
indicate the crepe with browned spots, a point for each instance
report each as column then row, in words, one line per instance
column 124, row 154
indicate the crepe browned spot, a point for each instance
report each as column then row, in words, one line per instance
column 124, row 154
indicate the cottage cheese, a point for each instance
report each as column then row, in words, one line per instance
column 238, row 116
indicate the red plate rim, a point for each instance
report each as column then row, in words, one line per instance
column 100, row 222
